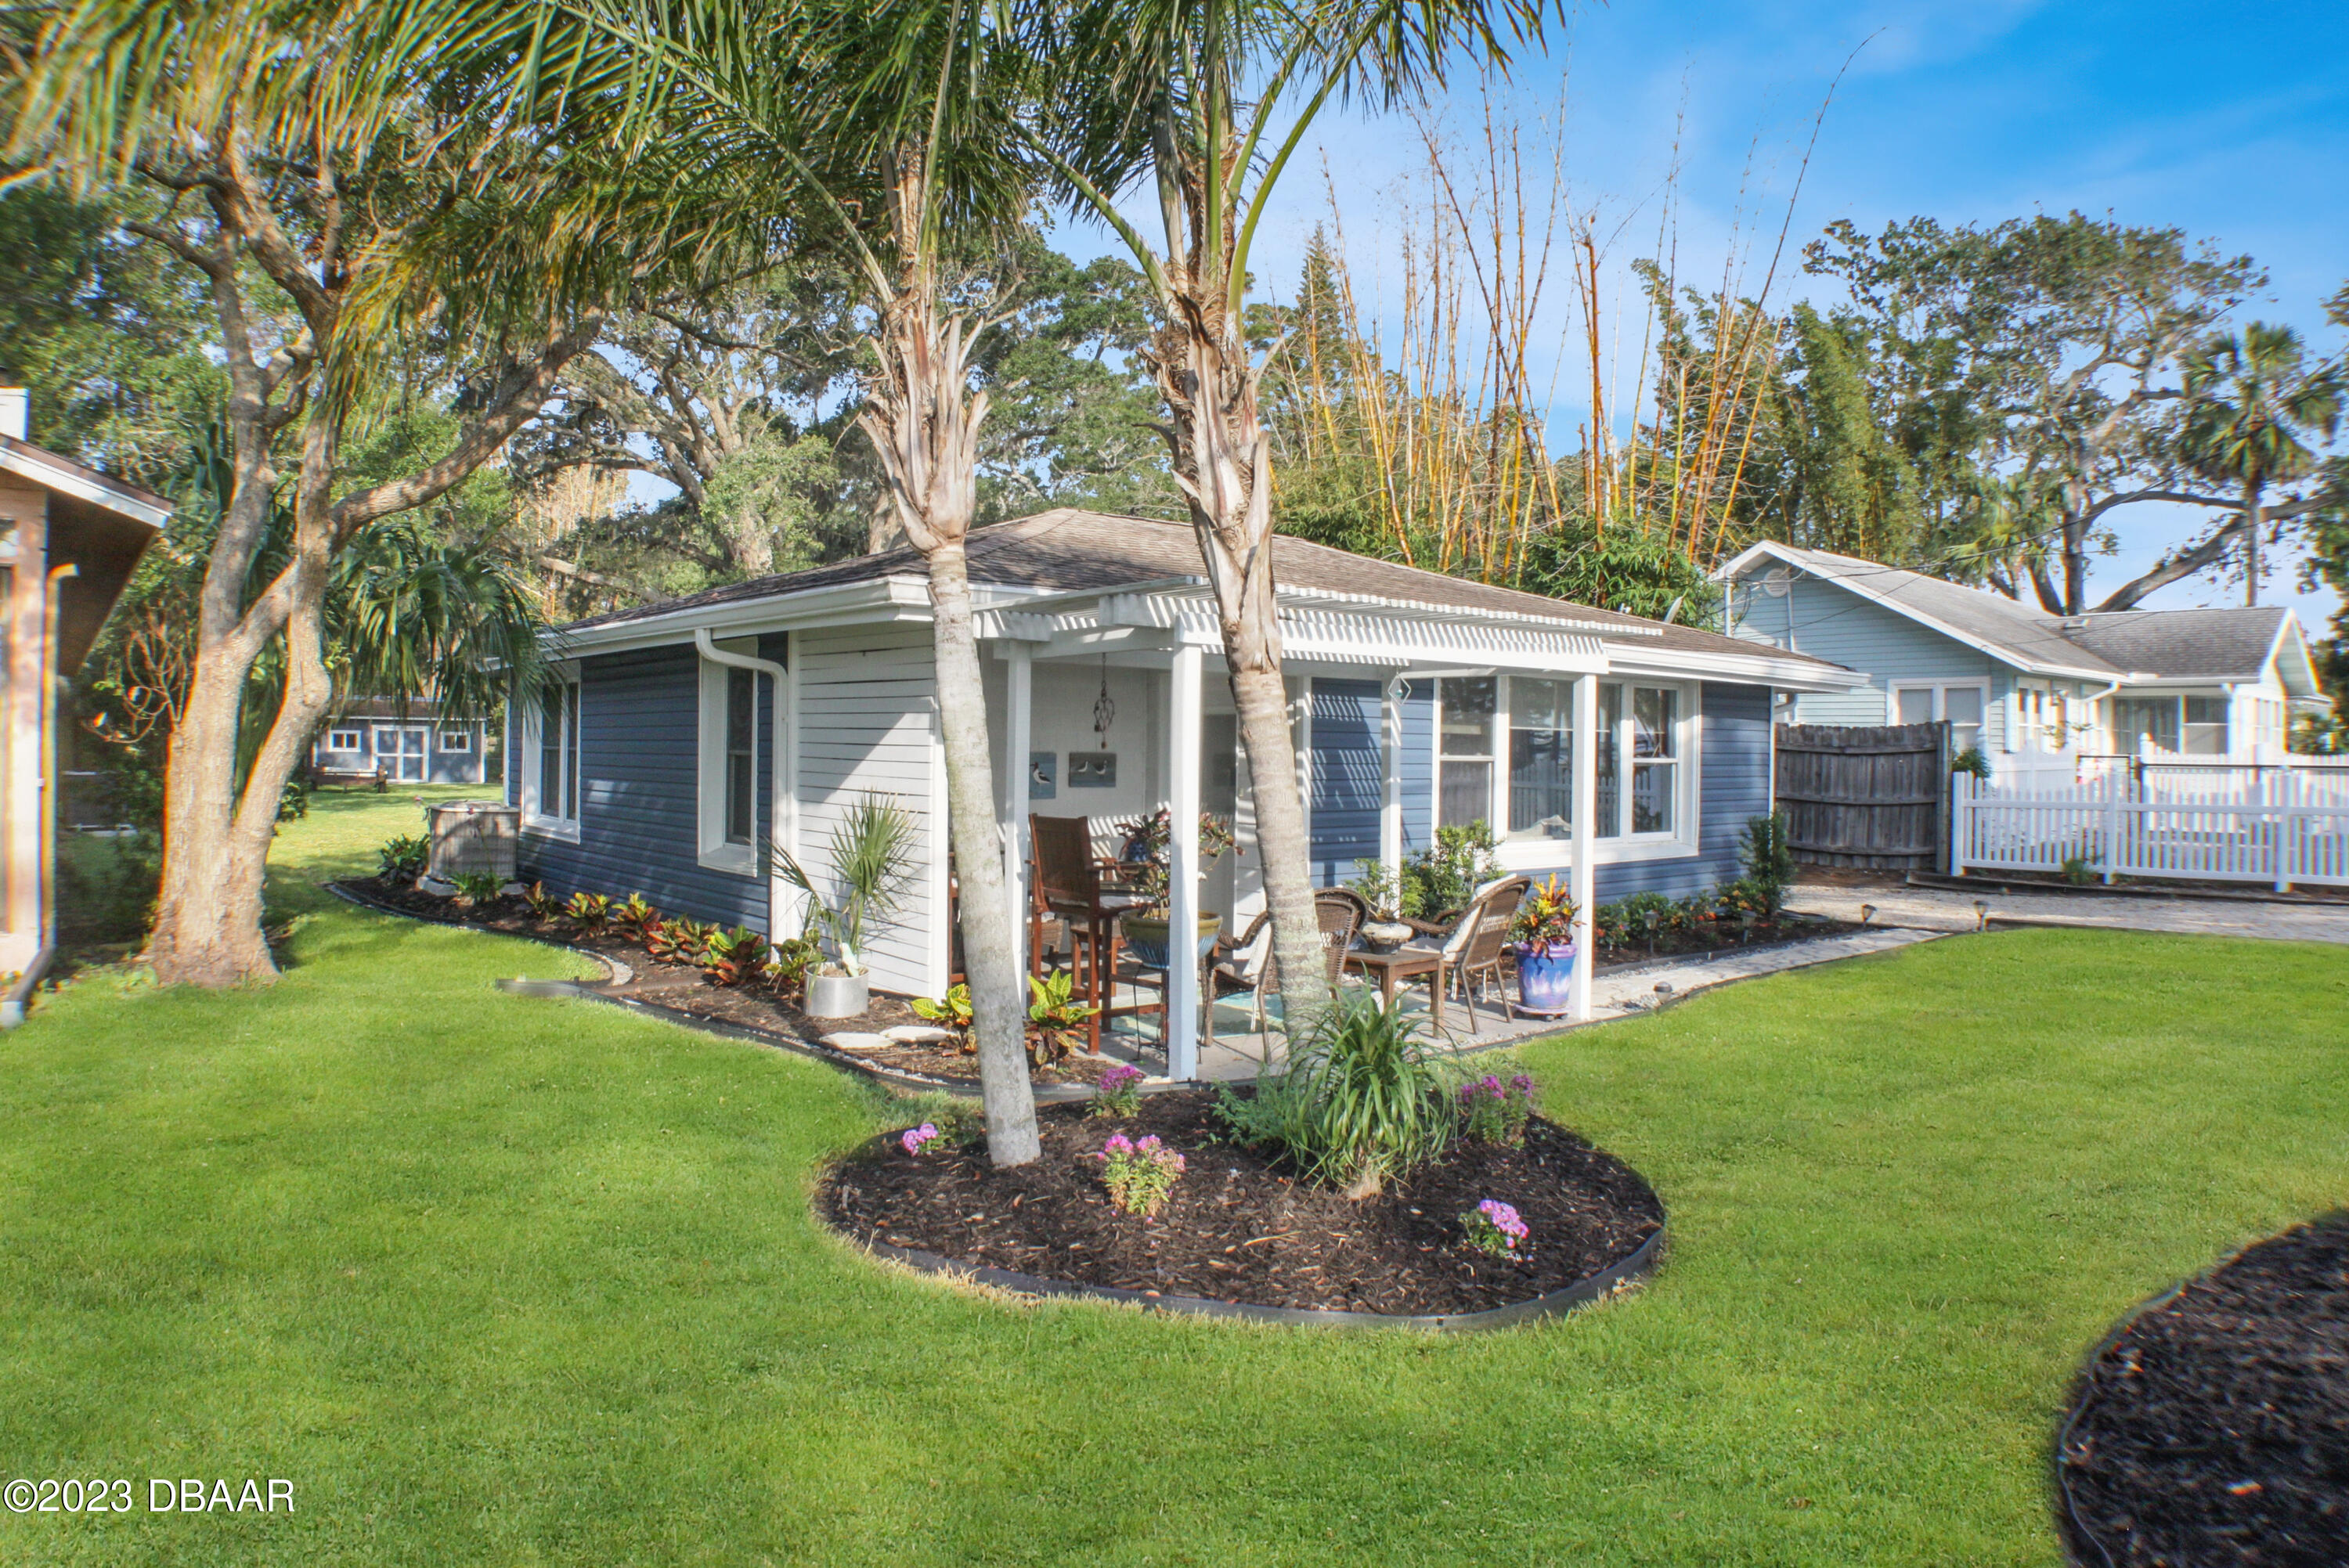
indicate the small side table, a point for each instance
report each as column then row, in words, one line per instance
column 1406, row 962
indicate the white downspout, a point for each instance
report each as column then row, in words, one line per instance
column 782, row 814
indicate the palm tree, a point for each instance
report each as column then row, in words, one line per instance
column 2254, row 400
column 889, row 128
column 1190, row 96
column 350, row 160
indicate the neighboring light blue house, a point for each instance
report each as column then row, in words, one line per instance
column 401, row 743
column 2017, row 681
column 680, row 739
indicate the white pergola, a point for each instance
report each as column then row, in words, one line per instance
column 1172, row 624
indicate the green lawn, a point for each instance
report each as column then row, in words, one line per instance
column 495, row 1279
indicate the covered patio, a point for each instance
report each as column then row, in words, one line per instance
column 1112, row 704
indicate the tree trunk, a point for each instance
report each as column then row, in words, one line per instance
column 998, row 1006
column 2251, row 519
column 1224, row 463
column 208, row 928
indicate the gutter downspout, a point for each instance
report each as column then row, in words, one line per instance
column 12, row 1010
column 782, row 811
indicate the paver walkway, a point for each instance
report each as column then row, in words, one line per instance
column 1236, row 1055
column 1948, row 909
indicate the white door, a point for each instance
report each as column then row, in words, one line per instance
column 400, row 751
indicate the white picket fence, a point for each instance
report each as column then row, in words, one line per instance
column 2241, row 824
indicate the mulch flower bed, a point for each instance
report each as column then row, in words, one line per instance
column 1239, row 1227
column 685, row 988
column 1718, row 937
column 2214, row 1430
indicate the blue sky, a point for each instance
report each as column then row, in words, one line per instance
column 2231, row 122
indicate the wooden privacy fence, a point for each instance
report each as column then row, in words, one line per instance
column 2274, row 825
column 1869, row 796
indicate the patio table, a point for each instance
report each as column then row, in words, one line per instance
column 1405, row 963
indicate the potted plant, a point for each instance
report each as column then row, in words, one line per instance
column 1149, row 855
column 1544, row 930
column 872, row 865
column 1382, row 891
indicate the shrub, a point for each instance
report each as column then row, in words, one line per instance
column 1362, row 1101
column 1437, row 880
column 677, row 941
column 478, row 888
column 403, row 858
column 1496, row 1228
column 1056, row 1021
column 730, row 958
column 951, row 1011
column 1119, row 1092
column 1493, row 1111
column 588, row 912
column 542, row 904
column 1970, row 760
column 1139, row 1176
column 635, row 919
column 788, row 965
column 1768, row 857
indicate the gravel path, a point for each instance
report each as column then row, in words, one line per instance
column 1939, row 909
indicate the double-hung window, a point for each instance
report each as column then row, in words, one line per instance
column 729, row 766
column 343, row 740
column 1641, row 727
column 550, row 784
column 456, row 741
column 1963, row 706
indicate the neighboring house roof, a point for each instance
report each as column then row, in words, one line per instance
column 1071, row 552
column 69, row 478
column 2130, row 645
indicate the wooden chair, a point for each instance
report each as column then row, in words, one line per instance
column 1065, row 883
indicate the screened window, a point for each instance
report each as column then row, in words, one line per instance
column 742, row 755
column 2206, row 727
column 456, row 741
column 2139, row 722
column 1464, row 749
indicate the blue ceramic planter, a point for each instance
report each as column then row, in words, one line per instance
column 1545, row 976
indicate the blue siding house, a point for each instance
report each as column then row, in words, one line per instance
column 680, row 739
column 401, row 743
column 2017, row 682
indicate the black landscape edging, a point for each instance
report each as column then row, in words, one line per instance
column 2069, row 1527
column 814, row 1050
column 1641, row 1262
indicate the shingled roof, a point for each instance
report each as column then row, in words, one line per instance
column 2165, row 644
column 1068, row 550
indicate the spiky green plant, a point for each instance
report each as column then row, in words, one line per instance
column 1361, row 1102
column 872, row 868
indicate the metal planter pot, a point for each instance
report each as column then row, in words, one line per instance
column 838, row 996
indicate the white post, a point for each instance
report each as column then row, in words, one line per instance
column 2115, row 779
column 1183, row 870
column 1961, row 805
column 1018, row 724
column 1585, row 878
column 2279, row 797
column 1390, row 778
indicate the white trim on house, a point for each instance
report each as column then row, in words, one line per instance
column 535, row 820
column 717, row 847
column 28, row 461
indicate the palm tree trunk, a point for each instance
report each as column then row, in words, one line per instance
column 2252, row 496
column 998, row 1010
column 1223, row 460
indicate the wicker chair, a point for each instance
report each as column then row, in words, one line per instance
column 1251, row 966
column 1479, row 944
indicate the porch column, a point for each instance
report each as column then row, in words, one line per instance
column 1182, row 869
column 1391, row 776
column 1012, row 811
column 1584, row 882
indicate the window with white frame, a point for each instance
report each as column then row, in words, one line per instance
column 456, row 741
column 1961, row 705
column 552, row 756
column 2206, row 727
column 1646, row 722
column 729, row 766
column 343, row 740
